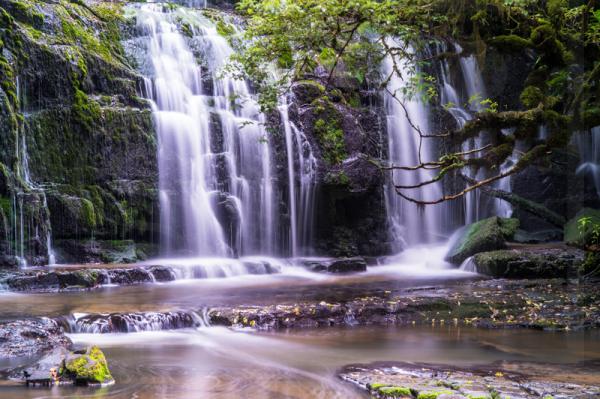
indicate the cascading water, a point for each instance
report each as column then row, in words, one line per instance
column 299, row 152
column 29, row 208
column 218, row 190
column 462, row 109
column 588, row 144
column 409, row 223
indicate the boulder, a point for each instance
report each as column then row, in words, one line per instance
column 537, row 262
column 486, row 235
column 88, row 367
column 342, row 265
column 348, row 265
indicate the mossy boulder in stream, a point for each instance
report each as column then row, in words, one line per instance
column 87, row 367
column 486, row 235
column 529, row 262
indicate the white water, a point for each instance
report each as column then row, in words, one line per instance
column 301, row 203
column 462, row 108
column 588, row 144
column 24, row 225
column 410, row 224
column 218, row 192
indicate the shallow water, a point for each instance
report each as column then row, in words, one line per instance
column 215, row 362
column 417, row 267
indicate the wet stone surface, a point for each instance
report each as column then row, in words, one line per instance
column 85, row 278
column 423, row 381
column 539, row 304
column 31, row 337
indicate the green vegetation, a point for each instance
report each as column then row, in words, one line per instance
column 486, row 235
column 90, row 367
column 349, row 38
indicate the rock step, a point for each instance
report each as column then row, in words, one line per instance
column 130, row 322
column 70, row 278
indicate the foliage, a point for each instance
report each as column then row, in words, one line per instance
column 327, row 40
column 590, row 229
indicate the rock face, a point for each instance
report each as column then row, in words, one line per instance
column 540, row 262
column 350, row 218
column 486, row 235
column 86, row 149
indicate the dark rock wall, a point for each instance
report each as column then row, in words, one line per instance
column 89, row 139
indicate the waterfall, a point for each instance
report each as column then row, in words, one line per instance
column 218, row 189
column 462, row 109
column 26, row 226
column 301, row 202
column 409, row 223
column 588, row 144
column 181, row 115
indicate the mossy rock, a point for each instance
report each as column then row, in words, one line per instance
column 89, row 367
column 573, row 235
column 486, row 235
column 542, row 263
column 387, row 391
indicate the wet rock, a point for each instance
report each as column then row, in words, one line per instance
column 425, row 381
column 540, row 262
column 129, row 276
column 339, row 265
column 84, row 278
column 31, row 337
column 261, row 267
column 87, row 367
column 43, row 281
column 535, row 237
column 97, row 251
column 539, row 304
column 162, row 273
column 486, row 235
column 348, row 265
column 132, row 322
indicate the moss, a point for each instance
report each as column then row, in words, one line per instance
column 508, row 227
column 511, row 42
column 433, row 394
column 7, row 80
column 471, row 310
column 25, row 13
column 225, row 29
column 531, row 96
column 394, row 391
column 85, row 111
column 90, row 367
column 187, row 29
column 88, row 213
column 486, row 235
column 331, row 138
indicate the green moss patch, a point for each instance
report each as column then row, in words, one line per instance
column 88, row 368
column 486, row 235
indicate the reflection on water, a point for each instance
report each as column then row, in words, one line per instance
column 215, row 362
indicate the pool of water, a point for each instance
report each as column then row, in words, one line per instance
column 215, row 362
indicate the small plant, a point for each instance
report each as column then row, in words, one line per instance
column 589, row 231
